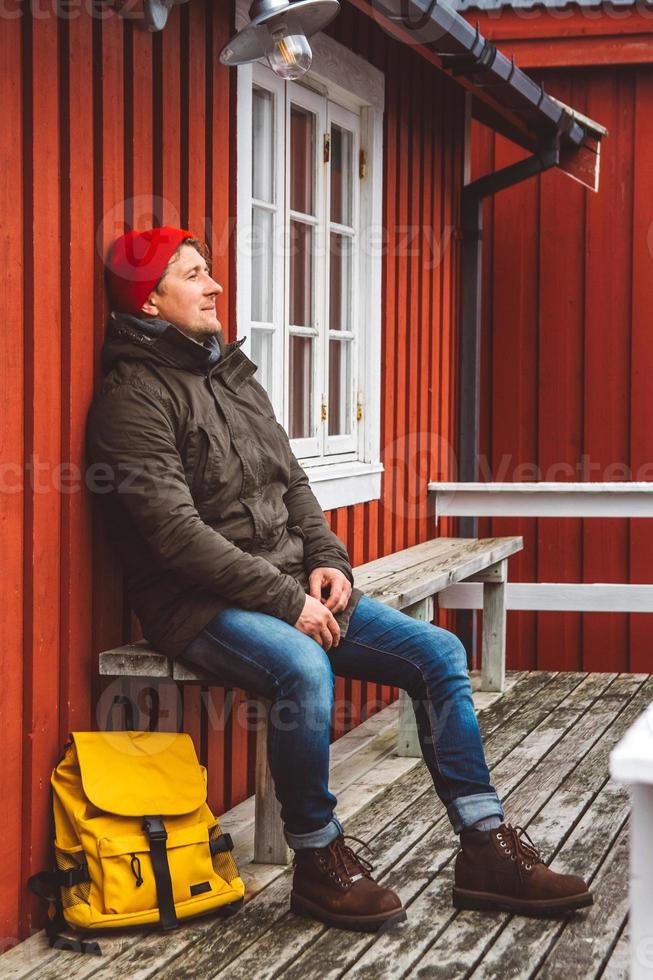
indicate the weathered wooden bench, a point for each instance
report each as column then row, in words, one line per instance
column 408, row 580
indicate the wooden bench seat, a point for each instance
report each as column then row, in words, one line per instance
column 408, row 580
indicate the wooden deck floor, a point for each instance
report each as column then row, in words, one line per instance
column 547, row 741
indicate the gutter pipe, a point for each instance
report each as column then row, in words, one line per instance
column 469, row 403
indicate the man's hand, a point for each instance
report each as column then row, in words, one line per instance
column 318, row 623
column 316, row 619
column 336, row 582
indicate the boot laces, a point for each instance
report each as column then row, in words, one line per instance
column 519, row 847
column 353, row 864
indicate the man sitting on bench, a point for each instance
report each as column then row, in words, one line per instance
column 230, row 565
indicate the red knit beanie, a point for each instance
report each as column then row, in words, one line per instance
column 136, row 262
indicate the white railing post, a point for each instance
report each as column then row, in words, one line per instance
column 631, row 761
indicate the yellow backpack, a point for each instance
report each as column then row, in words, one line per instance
column 134, row 840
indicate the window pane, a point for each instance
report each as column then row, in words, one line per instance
column 302, row 160
column 262, row 357
column 339, row 387
column 342, row 148
column 301, row 274
column 262, row 285
column 301, row 387
column 262, row 145
column 340, row 282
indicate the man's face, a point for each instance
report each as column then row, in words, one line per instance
column 187, row 295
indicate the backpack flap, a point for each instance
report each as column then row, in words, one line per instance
column 137, row 773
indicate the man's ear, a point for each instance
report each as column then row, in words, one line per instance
column 150, row 305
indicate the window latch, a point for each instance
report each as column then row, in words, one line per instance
column 327, row 147
column 362, row 165
column 359, row 408
column 324, row 409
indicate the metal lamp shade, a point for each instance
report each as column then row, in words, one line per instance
column 156, row 13
column 255, row 41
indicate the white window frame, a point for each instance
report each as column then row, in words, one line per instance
column 354, row 480
column 305, row 448
column 348, row 442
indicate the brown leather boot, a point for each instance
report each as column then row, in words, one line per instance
column 502, row 869
column 334, row 884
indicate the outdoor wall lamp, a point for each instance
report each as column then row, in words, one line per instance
column 152, row 14
column 278, row 30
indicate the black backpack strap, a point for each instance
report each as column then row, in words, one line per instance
column 121, row 701
column 157, row 834
column 221, row 844
column 46, row 885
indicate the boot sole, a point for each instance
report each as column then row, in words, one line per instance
column 488, row 902
column 361, row 923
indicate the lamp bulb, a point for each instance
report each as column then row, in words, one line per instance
column 291, row 56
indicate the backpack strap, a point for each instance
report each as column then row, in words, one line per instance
column 121, row 701
column 47, row 885
column 157, row 834
column 221, row 844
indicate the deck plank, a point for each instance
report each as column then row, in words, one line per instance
column 575, row 800
column 547, row 741
column 618, row 965
column 207, row 947
column 432, row 947
column 468, row 942
column 414, row 848
column 585, row 944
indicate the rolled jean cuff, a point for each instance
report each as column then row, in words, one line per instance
column 468, row 810
column 315, row 838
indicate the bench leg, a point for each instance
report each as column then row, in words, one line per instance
column 493, row 666
column 408, row 741
column 270, row 846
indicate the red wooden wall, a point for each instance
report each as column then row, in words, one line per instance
column 567, row 357
column 106, row 125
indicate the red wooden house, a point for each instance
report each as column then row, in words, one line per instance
column 568, row 289
column 362, row 349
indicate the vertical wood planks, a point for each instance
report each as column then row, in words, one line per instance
column 13, row 479
column 560, row 393
column 194, row 204
column 579, row 397
column 606, row 368
column 139, row 130
column 109, row 613
column 42, row 326
column 414, row 325
column 641, row 356
column 77, row 271
column 514, row 352
column 120, row 128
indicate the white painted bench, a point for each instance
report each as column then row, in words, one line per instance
column 408, row 580
column 631, row 762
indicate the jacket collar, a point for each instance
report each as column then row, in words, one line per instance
column 234, row 367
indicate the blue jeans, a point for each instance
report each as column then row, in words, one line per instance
column 270, row 658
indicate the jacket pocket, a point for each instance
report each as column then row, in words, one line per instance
column 195, row 455
column 296, row 529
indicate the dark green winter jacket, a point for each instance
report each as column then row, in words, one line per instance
column 204, row 498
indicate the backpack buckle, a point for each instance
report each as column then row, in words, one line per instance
column 153, row 827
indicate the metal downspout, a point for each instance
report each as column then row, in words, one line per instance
column 469, row 402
